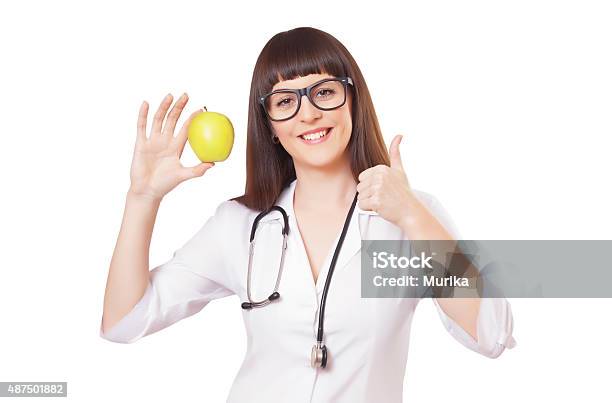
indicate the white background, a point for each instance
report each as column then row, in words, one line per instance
column 505, row 107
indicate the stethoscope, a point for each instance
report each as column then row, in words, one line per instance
column 318, row 354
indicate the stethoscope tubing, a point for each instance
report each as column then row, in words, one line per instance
column 319, row 351
column 331, row 270
column 275, row 294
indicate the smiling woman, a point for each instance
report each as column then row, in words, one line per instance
column 300, row 59
column 319, row 181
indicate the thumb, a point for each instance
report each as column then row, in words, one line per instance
column 198, row 170
column 394, row 153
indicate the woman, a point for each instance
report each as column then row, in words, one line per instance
column 314, row 144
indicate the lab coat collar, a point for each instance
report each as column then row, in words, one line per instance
column 354, row 234
column 285, row 200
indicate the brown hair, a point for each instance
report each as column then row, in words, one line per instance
column 288, row 55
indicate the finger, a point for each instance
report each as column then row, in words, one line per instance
column 365, row 192
column 181, row 137
column 366, row 174
column 174, row 115
column 142, row 121
column 367, row 204
column 364, row 184
column 159, row 116
column 394, row 153
column 195, row 171
column 372, row 172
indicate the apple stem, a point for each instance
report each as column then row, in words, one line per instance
column 205, row 110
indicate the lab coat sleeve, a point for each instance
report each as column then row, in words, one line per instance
column 196, row 274
column 495, row 321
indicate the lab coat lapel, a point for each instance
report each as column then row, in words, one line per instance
column 352, row 241
column 356, row 231
column 285, row 199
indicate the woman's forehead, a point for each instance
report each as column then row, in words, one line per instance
column 300, row 82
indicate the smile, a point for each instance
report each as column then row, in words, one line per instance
column 315, row 138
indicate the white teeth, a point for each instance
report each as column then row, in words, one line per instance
column 314, row 136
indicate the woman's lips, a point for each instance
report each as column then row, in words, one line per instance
column 317, row 140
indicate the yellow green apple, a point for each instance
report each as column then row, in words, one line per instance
column 211, row 136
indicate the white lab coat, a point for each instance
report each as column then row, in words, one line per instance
column 367, row 338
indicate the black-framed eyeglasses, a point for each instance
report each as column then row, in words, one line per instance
column 283, row 104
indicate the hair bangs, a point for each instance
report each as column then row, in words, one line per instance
column 298, row 53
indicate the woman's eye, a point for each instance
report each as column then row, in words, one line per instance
column 284, row 102
column 325, row 92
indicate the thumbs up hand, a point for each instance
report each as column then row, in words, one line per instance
column 385, row 189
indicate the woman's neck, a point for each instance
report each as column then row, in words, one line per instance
column 324, row 188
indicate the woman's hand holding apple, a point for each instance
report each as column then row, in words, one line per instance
column 156, row 167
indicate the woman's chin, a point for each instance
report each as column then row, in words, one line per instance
column 320, row 161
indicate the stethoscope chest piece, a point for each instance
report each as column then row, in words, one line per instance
column 318, row 356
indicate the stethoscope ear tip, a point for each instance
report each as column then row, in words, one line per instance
column 249, row 305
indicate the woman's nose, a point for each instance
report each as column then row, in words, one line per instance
column 307, row 110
